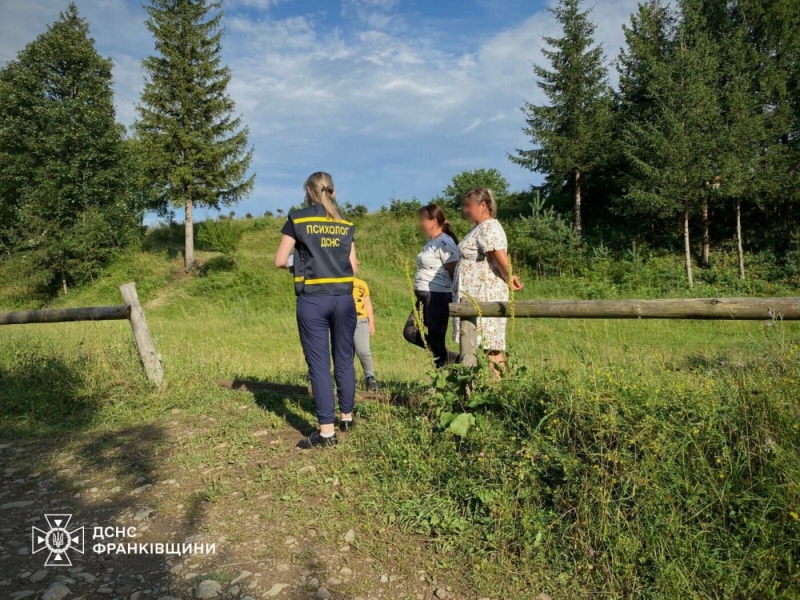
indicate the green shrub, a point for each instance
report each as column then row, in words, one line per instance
column 545, row 240
column 400, row 207
column 223, row 236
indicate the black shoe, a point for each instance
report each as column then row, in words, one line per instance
column 372, row 385
column 347, row 425
column 316, row 440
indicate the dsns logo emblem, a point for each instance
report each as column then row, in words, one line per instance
column 58, row 540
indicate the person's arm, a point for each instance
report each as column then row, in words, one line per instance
column 284, row 252
column 370, row 314
column 493, row 242
column 449, row 260
column 353, row 260
column 500, row 259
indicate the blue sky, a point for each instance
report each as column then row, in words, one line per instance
column 392, row 97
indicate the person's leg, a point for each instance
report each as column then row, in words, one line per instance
column 494, row 340
column 438, row 347
column 497, row 363
column 343, row 329
column 363, row 350
column 437, row 316
column 314, row 324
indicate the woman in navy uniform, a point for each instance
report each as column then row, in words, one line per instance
column 323, row 267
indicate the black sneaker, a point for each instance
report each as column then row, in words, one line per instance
column 316, row 440
column 372, row 385
column 347, row 425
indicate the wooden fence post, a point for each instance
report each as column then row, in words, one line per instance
column 147, row 349
column 468, row 340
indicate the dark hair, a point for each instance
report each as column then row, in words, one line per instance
column 434, row 212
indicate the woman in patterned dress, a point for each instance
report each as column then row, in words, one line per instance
column 483, row 271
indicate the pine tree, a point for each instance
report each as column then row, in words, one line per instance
column 743, row 137
column 196, row 150
column 673, row 152
column 570, row 133
column 65, row 196
column 772, row 28
column 648, row 43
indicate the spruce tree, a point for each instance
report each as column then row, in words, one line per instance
column 196, row 150
column 673, row 152
column 743, row 150
column 570, row 133
column 648, row 43
column 65, row 201
column 773, row 30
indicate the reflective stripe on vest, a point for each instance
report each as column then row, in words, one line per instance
column 321, row 220
column 323, row 280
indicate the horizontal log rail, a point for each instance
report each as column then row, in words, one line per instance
column 721, row 309
column 737, row 309
column 67, row 315
column 131, row 311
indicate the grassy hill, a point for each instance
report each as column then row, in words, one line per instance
column 630, row 459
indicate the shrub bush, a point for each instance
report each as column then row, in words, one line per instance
column 222, row 235
column 545, row 240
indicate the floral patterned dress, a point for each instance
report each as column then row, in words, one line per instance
column 477, row 276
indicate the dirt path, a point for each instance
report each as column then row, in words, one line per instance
column 279, row 525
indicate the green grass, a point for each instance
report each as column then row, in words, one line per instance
column 626, row 459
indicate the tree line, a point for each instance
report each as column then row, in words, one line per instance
column 700, row 136
column 697, row 142
column 74, row 186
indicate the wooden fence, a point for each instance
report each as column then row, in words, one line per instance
column 130, row 311
column 721, row 309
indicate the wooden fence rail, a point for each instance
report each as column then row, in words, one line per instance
column 721, row 309
column 130, row 311
column 66, row 315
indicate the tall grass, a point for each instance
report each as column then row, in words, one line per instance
column 617, row 459
column 626, row 481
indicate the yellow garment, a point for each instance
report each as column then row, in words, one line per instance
column 360, row 291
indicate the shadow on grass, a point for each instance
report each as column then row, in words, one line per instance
column 41, row 395
column 293, row 402
column 55, row 462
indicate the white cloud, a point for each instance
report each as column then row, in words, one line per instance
column 473, row 126
column 377, row 102
column 260, row 4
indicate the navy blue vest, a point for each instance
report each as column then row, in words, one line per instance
column 322, row 253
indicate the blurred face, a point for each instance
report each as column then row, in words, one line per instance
column 430, row 227
column 473, row 210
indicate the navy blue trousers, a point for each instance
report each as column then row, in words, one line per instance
column 327, row 325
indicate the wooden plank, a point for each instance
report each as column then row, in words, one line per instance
column 66, row 315
column 737, row 309
column 141, row 333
